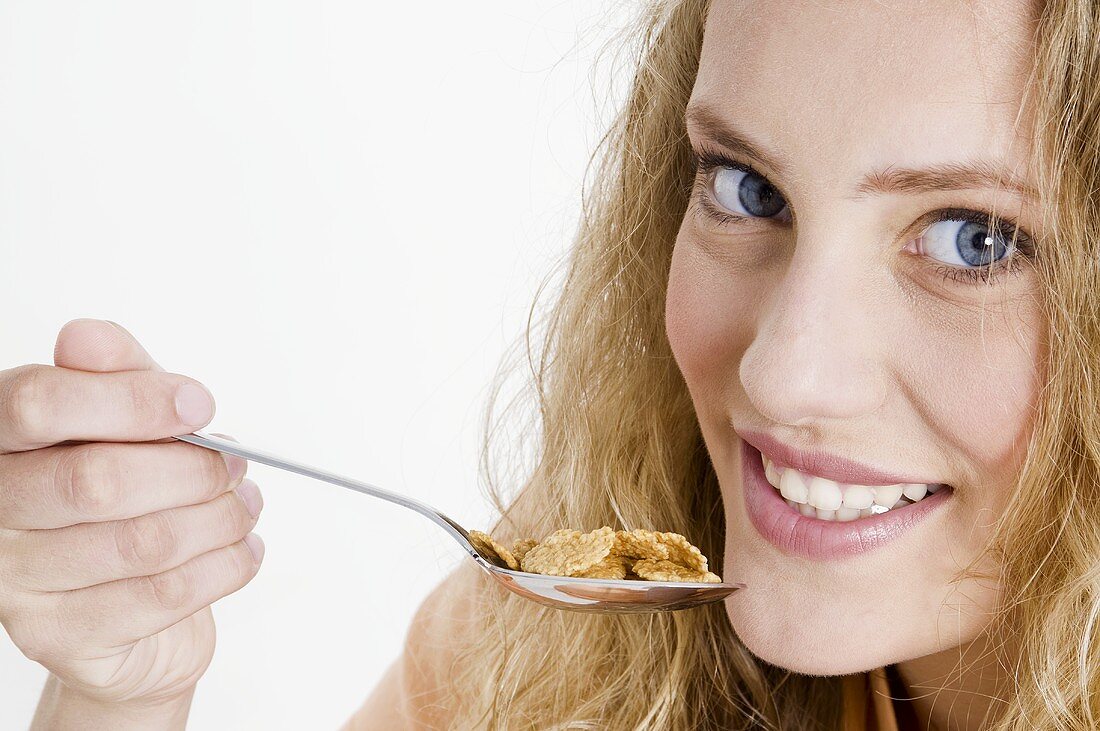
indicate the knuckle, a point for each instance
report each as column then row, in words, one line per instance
column 170, row 590
column 145, row 400
column 242, row 568
column 90, row 480
column 210, row 475
column 234, row 515
column 28, row 635
column 25, row 401
column 146, row 543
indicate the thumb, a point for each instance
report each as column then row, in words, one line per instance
column 101, row 346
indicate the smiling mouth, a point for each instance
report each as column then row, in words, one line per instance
column 824, row 499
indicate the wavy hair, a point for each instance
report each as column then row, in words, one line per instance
column 616, row 440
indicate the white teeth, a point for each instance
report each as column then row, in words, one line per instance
column 887, row 495
column 792, row 487
column 858, row 496
column 818, row 497
column 771, row 472
column 823, row 494
column 915, row 491
column 846, row 514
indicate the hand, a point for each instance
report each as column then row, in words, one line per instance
column 112, row 551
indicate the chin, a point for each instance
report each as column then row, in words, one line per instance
column 804, row 622
column 821, row 647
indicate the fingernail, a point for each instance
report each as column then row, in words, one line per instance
column 255, row 546
column 194, row 405
column 236, row 467
column 250, row 494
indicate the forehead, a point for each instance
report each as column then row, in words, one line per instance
column 862, row 84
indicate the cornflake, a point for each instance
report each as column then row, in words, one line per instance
column 569, row 552
column 668, row 571
column 604, row 554
column 520, row 548
column 485, row 545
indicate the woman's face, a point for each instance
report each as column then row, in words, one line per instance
column 828, row 298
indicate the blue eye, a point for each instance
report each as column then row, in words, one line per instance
column 746, row 193
column 972, row 245
column 964, row 243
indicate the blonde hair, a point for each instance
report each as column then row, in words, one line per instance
column 619, row 444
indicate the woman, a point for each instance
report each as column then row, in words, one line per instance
column 856, row 240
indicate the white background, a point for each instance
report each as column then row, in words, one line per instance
column 334, row 213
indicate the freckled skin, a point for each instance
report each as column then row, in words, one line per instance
column 826, row 333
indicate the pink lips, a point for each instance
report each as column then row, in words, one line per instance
column 830, row 466
column 798, row 535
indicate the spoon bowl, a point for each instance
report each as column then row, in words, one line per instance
column 607, row 595
column 561, row 592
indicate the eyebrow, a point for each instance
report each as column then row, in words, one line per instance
column 969, row 175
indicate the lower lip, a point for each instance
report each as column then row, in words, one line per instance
column 799, row 535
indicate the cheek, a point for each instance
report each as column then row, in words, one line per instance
column 979, row 390
column 709, row 316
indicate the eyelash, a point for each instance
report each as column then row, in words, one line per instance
column 706, row 161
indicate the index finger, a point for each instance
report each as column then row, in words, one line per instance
column 43, row 405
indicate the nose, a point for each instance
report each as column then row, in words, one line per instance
column 819, row 347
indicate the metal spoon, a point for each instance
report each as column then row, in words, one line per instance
column 560, row 592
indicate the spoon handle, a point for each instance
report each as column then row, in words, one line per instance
column 228, row 446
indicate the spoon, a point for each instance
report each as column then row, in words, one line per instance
column 560, row 592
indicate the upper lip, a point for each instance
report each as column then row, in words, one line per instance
column 823, row 464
